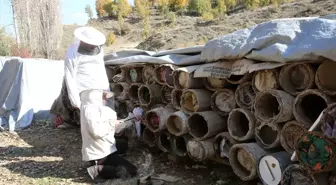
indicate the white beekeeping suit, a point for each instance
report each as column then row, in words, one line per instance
column 83, row 72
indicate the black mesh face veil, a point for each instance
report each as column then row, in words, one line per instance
column 88, row 49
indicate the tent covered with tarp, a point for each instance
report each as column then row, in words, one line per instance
column 28, row 89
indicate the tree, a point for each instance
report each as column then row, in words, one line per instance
column 251, row 4
column 200, row 7
column 5, row 43
column 179, row 5
column 143, row 8
column 229, row 3
column 39, row 26
column 118, row 7
column 100, row 7
column 88, row 10
column 221, row 7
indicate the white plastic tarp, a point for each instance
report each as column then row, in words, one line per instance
column 283, row 40
column 28, row 87
column 264, row 46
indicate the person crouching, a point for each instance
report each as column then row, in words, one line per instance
column 99, row 147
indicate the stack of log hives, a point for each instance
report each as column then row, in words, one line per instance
column 254, row 122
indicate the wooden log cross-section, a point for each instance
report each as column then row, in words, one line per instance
column 241, row 124
column 177, row 123
column 149, row 95
column 267, row 135
column 214, row 84
column 244, row 160
column 308, row 105
column 156, row 118
column 267, row 79
column 195, row 100
column 185, row 80
column 206, row 124
column 273, row 106
column 223, row 101
column 245, row 95
column 133, row 92
column 201, row 150
column 297, row 77
column 325, row 78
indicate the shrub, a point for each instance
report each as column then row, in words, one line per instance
column 221, row 7
column 178, row 5
column 117, row 8
column 200, row 7
column 229, row 3
column 143, row 8
column 20, row 51
column 100, row 7
column 172, row 18
column 5, row 43
column 110, row 39
column 251, row 4
column 208, row 16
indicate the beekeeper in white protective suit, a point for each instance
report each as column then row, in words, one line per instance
column 83, row 69
column 85, row 80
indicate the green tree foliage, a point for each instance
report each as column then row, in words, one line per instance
column 251, row 4
column 143, row 8
column 88, row 11
column 117, row 8
column 100, row 7
column 221, row 7
column 5, row 43
column 200, row 7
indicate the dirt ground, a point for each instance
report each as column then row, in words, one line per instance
column 41, row 155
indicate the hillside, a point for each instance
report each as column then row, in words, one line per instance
column 187, row 31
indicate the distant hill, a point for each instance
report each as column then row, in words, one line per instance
column 182, row 31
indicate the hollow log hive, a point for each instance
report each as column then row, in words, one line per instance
column 235, row 121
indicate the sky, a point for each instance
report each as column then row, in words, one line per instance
column 73, row 12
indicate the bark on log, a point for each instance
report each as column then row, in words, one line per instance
column 149, row 95
column 241, row 124
column 177, row 123
column 290, row 133
column 156, row 119
column 206, row 124
column 179, row 144
column 325, row 78
column 195, row 100
column 201, row 150
column 297, row 77
column 244, row 160
column 166, row 94
column 214, row 84
column 121, row 91
column 133, row 92
column 267, row 135
column 148, row 74
column 273, row 106
column 184, row 80
column 176, row 98
column 245, row 95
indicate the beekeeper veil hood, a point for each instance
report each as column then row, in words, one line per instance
column 90, row 36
